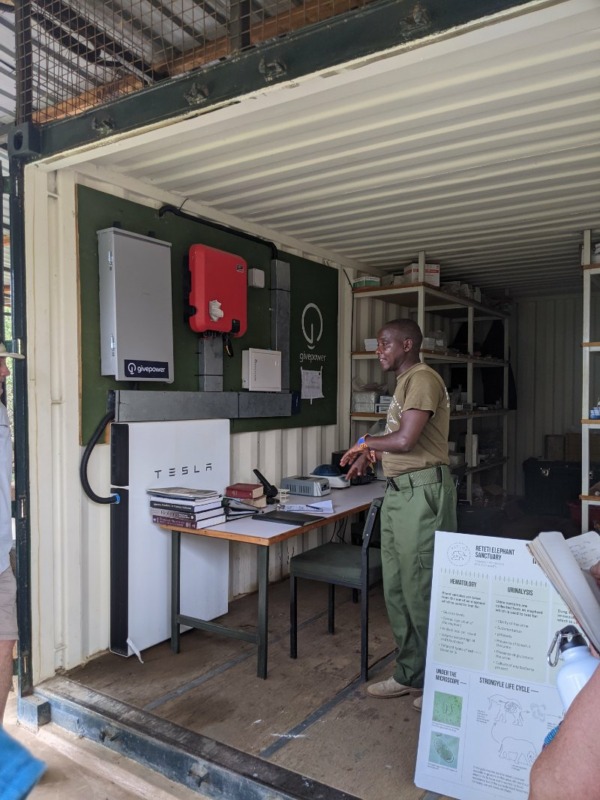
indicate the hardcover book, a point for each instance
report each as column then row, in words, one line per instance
column 246, row 502
column 184, row 493
column 566, row 563
column 187, row 508
column 169, row 522
column 192, row 515
column 244, row 490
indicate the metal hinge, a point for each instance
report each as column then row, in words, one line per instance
column 22, row 507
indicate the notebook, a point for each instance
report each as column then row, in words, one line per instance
column 287, row 517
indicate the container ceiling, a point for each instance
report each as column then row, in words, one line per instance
column 483, row 149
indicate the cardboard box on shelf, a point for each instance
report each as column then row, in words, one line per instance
column 365, row 401
column 573, row 447
column 366, row 280
column 392, row 280
column 432, row 274
column 554, row 447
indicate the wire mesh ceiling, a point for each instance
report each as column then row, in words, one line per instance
column 77, row 55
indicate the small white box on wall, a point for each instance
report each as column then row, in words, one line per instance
column 261, row 370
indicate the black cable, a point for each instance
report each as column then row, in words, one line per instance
column 352, row 333
column 114, row 498
column 169, row 209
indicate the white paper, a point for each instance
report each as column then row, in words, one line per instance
column 318, row 507
column 490, row 696
column 585, row 549
column 312, row 384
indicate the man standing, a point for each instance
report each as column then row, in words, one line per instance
column 420, row 497
column 19, row 770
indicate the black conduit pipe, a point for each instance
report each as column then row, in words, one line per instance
column 113, row 498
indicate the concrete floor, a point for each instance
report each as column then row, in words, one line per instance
column 78, row 768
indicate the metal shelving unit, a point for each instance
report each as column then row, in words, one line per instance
column 421, row 298
column 591, row 280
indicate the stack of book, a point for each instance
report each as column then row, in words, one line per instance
column 244, row 498
column 180, row 507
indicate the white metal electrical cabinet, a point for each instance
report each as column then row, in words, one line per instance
column 136, row 311
column 147, row 455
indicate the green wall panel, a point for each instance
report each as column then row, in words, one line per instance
column 313, row 319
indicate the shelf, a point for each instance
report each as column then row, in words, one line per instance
column 357, row 416
column 488, row 465
column 493, row 412
column 591, row 423
column 421, row 300
column 593, row 347
column 443, row 302
column 431, row 356
column 366, row 416
column 484, row 361
column 593, row 499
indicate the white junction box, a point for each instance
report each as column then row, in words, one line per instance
column 136, row 306
column 261, row 370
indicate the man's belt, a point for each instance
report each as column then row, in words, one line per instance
column 420, row 477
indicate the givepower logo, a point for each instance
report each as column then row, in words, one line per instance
column 138, row 370
column 312, row 325
column 312, row 330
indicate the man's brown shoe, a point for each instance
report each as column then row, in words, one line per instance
column 388, row 688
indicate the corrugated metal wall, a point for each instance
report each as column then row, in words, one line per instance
column 548, row 374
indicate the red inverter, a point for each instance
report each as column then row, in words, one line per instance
column 218, row 291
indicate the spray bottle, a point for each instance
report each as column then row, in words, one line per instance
column 579, row 664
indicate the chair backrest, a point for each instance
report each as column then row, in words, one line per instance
column 372, row 531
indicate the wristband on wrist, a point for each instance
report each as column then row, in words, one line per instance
column 362, row 445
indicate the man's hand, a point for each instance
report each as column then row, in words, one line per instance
column 359, row 466
column 595, row 572
column 352, row 454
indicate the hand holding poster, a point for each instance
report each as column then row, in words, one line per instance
column 490, row 697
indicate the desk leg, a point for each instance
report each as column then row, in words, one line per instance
column 175, row 588
column 263, row 609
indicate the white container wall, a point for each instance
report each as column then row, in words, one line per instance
column 70, row 534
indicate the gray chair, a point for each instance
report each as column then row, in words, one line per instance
column 356, row 566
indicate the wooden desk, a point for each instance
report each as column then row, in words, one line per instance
column 346, row 502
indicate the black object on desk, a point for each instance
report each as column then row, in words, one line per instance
column 287, row 517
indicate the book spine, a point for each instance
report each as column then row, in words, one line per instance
column 184, row 507
column 187, row 523
column 177, row 523
column 247, row 494
column 193, row 515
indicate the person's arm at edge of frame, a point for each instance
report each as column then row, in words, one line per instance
column 570, row 765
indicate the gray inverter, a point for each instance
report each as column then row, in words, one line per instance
column 136, row 313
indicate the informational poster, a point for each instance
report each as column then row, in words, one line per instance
column 490, row 696
column 312, row 384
